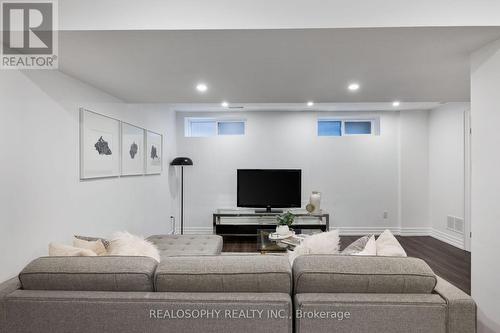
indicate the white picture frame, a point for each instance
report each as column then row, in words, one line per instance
column 100, row 147
column 154, row 153
column 133, row 150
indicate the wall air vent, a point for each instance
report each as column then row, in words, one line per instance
column 455, row 224
column 459, row 225
column 450, row 223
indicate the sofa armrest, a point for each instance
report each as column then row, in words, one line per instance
column 461, row 307
column 9, row 286
column 6, row 288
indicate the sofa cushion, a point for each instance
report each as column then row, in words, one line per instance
column 89, row 274
column 187, row 245
column 258, row 273
column 359, row 274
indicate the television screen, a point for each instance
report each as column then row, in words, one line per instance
column 269, row 188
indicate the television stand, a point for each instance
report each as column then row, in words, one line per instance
column 247, row 222
column 269, row 210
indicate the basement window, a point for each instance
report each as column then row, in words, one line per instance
column 329, row 128
column 358, row 127
column 348, row 127
column 207, row 127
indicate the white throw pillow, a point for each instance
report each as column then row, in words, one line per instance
column 370, row 248
column 61, row 250
column 321, row 243
column 388, row 246
column 96, row 246
column 126, row 244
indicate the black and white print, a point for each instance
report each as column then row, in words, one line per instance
column 154, row 160
column 133, row 152
column 99, row 145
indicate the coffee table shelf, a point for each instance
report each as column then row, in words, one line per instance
column 266, row 245
column 245, row 222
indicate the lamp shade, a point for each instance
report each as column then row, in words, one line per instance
column 182, row 161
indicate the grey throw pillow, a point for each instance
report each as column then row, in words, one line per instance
column 104, row 241
column 356, row 246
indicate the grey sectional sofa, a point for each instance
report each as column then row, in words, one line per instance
column 377, row 294
column 134, row 294
column 232, row 293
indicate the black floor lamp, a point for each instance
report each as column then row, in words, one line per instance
column 182, row 161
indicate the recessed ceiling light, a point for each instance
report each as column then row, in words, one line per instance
column 201, row 87
column 224, row 104
column 310, row 103
column 396, row 104
column 353, row 86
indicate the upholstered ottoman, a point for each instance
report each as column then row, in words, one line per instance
column 187, row 245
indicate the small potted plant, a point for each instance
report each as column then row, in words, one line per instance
column 284, row 222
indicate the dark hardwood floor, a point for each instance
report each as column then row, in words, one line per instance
column 447, row 261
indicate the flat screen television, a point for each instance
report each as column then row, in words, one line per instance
column 269, row 188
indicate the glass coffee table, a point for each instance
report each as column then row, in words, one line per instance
column 265, row 245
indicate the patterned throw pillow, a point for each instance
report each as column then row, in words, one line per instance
column 357, row 246
column 370, row 248
column 104, row 241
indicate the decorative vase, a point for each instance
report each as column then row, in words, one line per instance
column 282, row 230
column 315, row 200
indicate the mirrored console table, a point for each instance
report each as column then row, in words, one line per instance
column 246, row 222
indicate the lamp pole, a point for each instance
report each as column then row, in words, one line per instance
column 182, row 162
column 182, row 200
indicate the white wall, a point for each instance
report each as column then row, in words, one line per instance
column 446, row 169
column 485, row 104
column 358, row 176
column 41, row 196
column 414, row 175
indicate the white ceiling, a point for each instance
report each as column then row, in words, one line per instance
column 274, row 14
column 277, row 66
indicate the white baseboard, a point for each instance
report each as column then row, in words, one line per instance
column 456, row 241
column 361, row 231
column 198, row 230
column 415, row 231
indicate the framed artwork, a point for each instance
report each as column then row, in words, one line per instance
column 99, row 145
column 154, row 153
column 133, row 146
